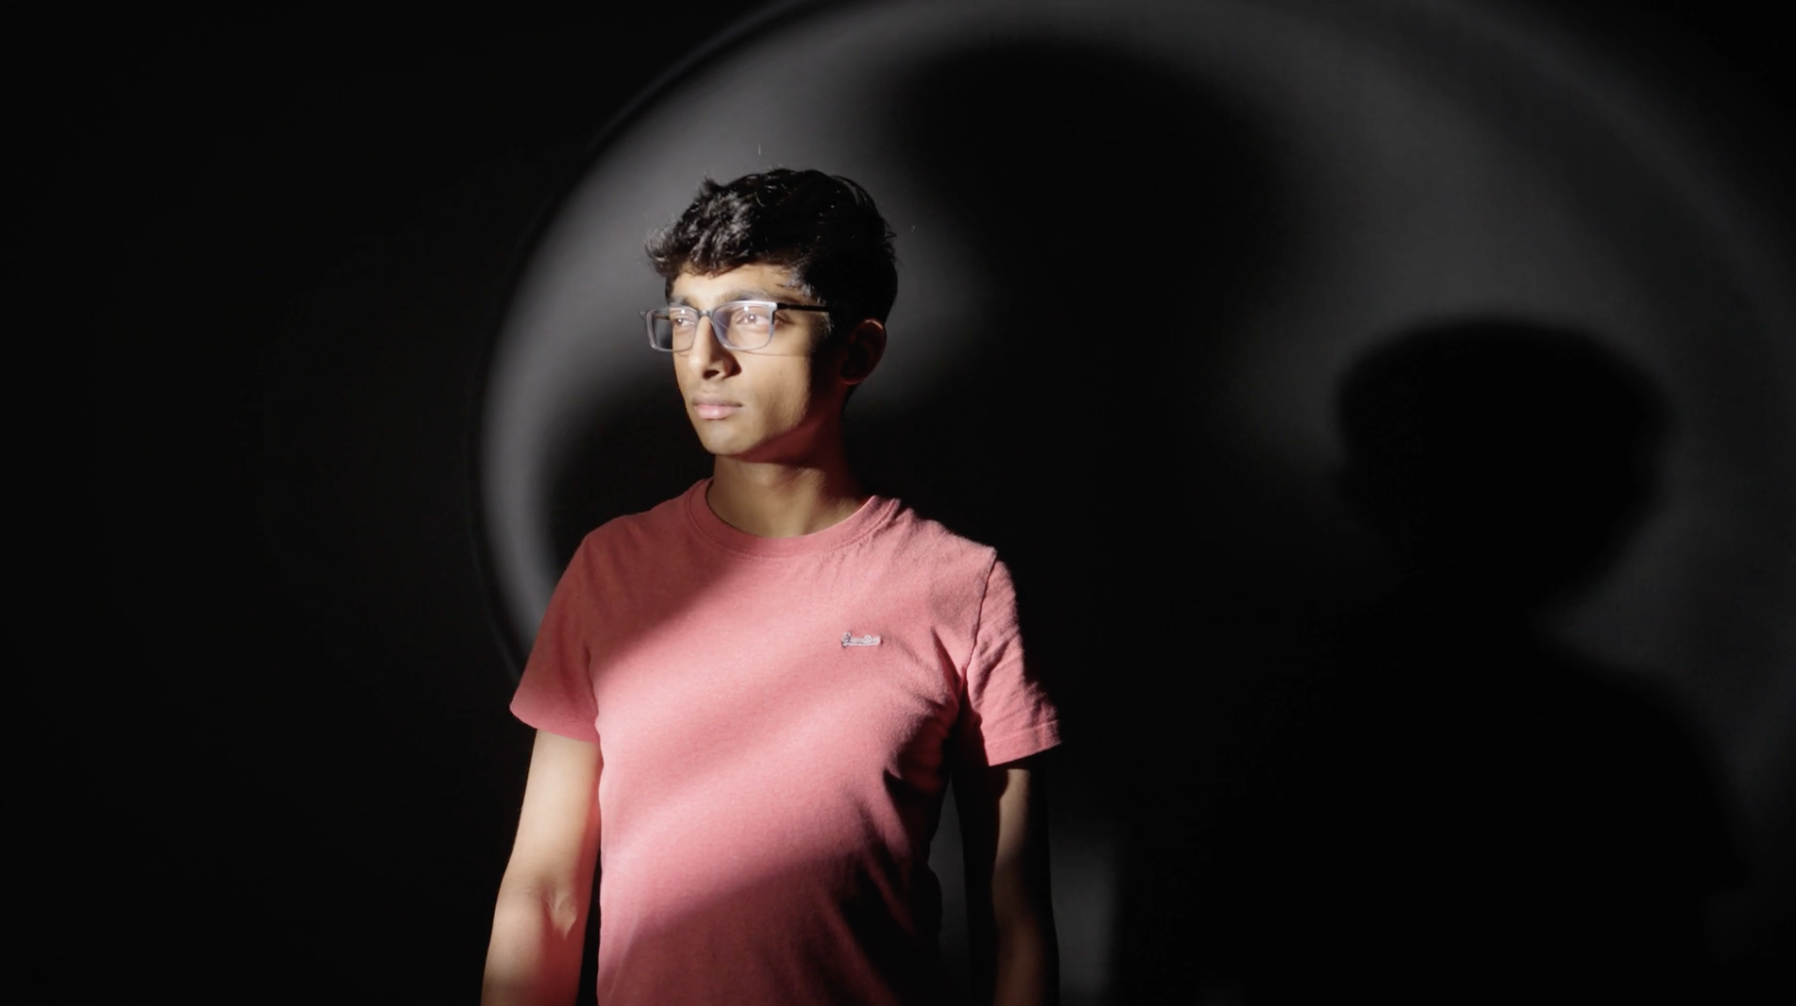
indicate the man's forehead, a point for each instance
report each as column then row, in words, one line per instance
column 756, row 279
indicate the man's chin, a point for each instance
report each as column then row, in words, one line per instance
column 729, row 448
column 779, row 449
column 717, row 441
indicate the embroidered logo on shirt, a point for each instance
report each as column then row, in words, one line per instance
column 850, row 639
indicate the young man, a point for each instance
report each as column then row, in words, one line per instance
column 749, row 700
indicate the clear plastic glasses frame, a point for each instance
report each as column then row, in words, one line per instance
column 743, row 325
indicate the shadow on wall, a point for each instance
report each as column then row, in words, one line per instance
column 1463, row 808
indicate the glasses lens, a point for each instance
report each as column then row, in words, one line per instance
column 671, row 328
column 746, row 324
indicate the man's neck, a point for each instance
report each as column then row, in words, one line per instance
column 776, row 500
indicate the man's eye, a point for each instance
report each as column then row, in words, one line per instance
column 749, row 316
column 681, row 321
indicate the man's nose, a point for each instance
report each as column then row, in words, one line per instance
column 709, row 357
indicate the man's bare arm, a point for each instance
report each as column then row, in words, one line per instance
column 538, row 925
column 1015, row 954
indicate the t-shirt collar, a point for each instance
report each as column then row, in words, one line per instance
column 876, row 511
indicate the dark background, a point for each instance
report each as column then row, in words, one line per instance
column 280, row 765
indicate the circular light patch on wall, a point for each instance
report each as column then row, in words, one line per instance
column 1139, row 246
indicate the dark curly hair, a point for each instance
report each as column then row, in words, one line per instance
column 824, row 228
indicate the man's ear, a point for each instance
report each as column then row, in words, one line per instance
column 862, row 350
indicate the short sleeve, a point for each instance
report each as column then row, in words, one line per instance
column 1010, row 716
column 555, row 692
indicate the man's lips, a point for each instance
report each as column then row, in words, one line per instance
column 710, row 407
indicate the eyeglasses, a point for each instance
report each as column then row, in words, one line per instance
column 744, row 325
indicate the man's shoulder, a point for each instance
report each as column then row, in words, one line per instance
column 927, row 540
column 646, row 528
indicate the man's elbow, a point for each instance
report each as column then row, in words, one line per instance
column 558, row 905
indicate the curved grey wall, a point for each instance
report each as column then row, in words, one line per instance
column 1213, row 208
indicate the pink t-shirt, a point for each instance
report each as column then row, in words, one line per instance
column 777, row 718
